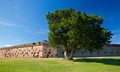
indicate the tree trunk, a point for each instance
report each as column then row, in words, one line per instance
column 68, row 56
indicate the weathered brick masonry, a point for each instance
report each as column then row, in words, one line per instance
column 108, row 50
column 45, row 50
column 34, row 50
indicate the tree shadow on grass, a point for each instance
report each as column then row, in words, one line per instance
column 108, row 61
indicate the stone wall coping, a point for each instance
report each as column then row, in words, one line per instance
column 25, row 45
column 45, row 43
column 112, row 45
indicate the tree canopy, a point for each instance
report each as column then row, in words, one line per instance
column 75, row 30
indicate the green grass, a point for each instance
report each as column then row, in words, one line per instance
column 107, row 64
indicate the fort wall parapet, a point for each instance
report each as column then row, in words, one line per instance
column 45, row 50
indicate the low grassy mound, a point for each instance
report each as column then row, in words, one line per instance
column 106, row 64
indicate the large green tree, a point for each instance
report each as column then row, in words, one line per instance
column 74, row 30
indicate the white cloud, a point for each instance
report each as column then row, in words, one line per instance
column 116, row 31
column 17, row 40
column 4, row 23
column 118, row 43
column 116, row 36
column 116, row 39
column 7, row 45
column 43, row 31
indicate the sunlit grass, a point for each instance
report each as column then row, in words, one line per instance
column 110, row 64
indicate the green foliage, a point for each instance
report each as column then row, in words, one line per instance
column 74, row 30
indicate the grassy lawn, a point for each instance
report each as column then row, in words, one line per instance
column 107, row 64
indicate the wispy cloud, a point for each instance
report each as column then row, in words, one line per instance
column 18, row 40
column 5, row 23
column 116, row 36
column 41, row 31
column 116, row 31
column 118, row 42
column 7, row 45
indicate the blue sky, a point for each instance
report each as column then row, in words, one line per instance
column 23, row 21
